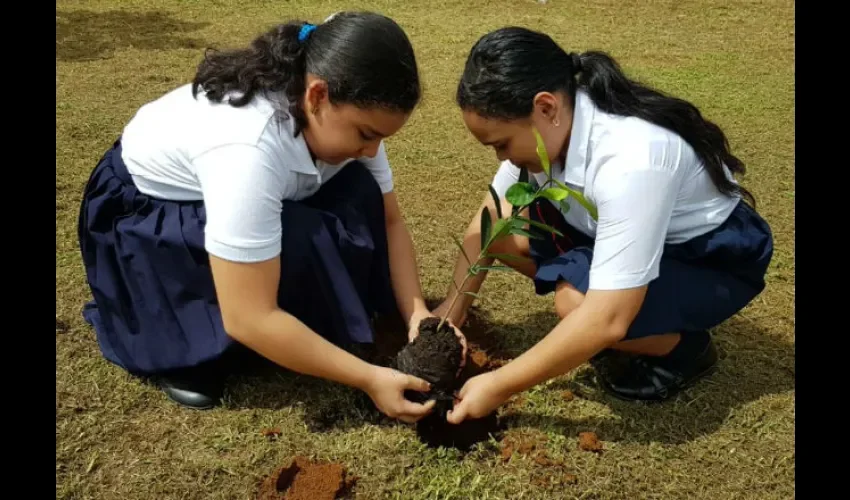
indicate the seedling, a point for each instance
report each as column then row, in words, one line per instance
column 520, row 195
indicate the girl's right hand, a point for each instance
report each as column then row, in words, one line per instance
column 386, row 388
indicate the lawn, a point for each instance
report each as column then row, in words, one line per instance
column 729, row 437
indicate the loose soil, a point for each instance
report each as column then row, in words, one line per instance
column 588, row 441
column 307, row 480
column 436, row 355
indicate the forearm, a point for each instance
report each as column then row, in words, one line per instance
column 574, row 340
column 461, row 281
column 285, row 340
column 404, row 272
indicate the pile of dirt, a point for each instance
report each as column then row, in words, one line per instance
column 526, row 443
column 550, row 472
column 589, row 441
column 436, row 356
column 306, row 480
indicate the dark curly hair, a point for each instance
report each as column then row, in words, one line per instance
column 366, row 59
column 506, row 68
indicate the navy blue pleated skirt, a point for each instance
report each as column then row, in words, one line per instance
column 702, row 282
column 154, row 304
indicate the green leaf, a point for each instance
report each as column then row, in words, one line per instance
column 581, row 199
column 496, row 200
column 539, row 225
column 486, row 224
column 554, row 194
column 499, row 229
column 472, row 294
column 565, row 207
column 520, row 194
column 541, row 151
column 460, row 246
column 523, row 232
column 507, row 257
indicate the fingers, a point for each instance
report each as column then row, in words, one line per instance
column 412, row 412
column 457, row 414
column 416, row 384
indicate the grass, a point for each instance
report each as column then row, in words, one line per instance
column 730, row 437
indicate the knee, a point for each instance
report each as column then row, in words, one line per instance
column 567, row 299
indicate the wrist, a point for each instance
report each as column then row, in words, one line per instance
column 503, row 384
column 365, row 376
column 420, row 309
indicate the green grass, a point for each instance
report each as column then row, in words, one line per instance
column 730, row 437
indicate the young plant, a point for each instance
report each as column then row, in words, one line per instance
column 520, row 195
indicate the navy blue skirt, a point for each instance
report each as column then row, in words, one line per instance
column 702, row 282
column 154, row 304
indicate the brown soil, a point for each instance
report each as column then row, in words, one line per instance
column 271, row 433
column 436, row 355
column 307, row 480
column 568, row 395
column 523, row 443
column 588, row 441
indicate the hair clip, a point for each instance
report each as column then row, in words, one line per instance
column 305, row 31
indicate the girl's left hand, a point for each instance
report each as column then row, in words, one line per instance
column 479, row 396
column 413, row 332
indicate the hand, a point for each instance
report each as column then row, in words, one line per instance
column 479, row 396
column 442, row 309
column 417, row 318
column 386, row 388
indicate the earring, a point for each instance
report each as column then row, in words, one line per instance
column 556, row 122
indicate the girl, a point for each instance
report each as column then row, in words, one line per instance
column 255, row 207
column 665, row 249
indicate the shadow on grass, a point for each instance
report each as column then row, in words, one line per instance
column 752, row 364
column 83, row 35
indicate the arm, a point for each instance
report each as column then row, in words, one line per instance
column 404, row 272
column 601, row 320
column 507, row 175
column 629, row 241
column 247, row 295
column 243, row 239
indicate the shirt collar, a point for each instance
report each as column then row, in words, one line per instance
column 576, row 161
column 302, row 162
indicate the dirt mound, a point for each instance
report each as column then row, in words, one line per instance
column 306, row 480
column 589, row 441
column 435, row 355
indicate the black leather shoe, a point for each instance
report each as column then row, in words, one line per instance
column 651, row 378
column 199, row 388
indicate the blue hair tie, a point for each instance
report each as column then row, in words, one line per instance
column 305, row 31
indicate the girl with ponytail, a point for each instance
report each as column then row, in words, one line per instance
column 254, row 208
column 664, row 245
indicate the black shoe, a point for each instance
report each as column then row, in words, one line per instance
column 198, row 388
column 658, row 378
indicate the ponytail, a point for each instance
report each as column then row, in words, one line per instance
column 612, row 92
column 274, row 62
column 365, row 58
column 508, row 67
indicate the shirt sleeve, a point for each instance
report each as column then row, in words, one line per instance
column 243, row 193
column 379, row 167
column 506, row 176
column 635, row 207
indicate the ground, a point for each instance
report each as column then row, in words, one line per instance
column 729, row 437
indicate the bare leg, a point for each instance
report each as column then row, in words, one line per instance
column 567, row 299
